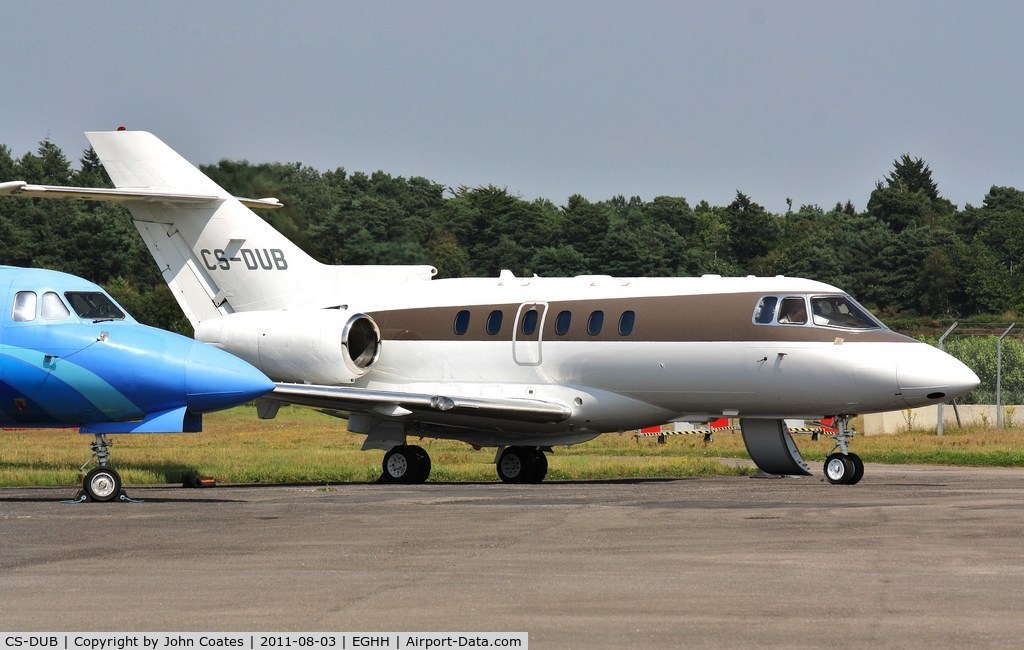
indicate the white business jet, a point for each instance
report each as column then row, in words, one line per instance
column 520, row 364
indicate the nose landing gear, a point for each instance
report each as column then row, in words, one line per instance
column 103, row 483
column 843, row 467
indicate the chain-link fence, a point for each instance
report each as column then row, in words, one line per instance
column 995, row 352
column 996, row 355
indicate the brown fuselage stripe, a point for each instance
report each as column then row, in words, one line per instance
column 692, row 318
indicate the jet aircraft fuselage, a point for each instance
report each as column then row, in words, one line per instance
column 616, row 353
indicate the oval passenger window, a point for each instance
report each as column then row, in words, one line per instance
column 530, row 322
column 626, row 322
column 494, row 322
column 462, row 322
column 562, row 322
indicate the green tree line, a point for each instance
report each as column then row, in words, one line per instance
column 911, row 256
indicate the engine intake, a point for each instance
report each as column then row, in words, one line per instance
column 361, row 340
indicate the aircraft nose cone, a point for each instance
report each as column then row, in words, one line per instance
column 215, row 379
column 931, row 376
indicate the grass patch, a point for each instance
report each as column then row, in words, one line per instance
column 302, row 446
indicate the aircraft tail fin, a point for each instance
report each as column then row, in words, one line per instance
column 217, row 256
column 140, row 159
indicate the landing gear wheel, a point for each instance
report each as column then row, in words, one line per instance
column 858, row 468
column 515, row 465
column 839, row 469
column 102, row 484
column 422, row 464
column 398, row 465
column 405, row 464
column 539, row 467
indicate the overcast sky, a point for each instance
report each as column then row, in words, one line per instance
column 807, row 100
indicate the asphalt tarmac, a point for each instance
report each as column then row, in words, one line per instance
column 910, row 557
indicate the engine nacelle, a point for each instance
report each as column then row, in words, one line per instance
column 319, row 346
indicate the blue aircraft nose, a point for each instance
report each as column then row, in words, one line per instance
column 215, row 379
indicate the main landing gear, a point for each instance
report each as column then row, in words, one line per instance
column 406, row 464
column 522, row 465
column 103, row 483
column 411, row 464
column 843, row 467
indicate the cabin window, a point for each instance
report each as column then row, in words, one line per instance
column 841, row 311
column 494, row 322
column 93, row 304
column 595, row 322
column 765, row 312
column 626, row 322
column 53, row 307
column 793, row 311
column 562, row 322
column 25, row 306
column 462, row 322
column 530, row 322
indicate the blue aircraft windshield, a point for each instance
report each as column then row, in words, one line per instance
column 94, row 305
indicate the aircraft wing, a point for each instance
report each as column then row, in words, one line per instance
column 120, row 195
column 399, row 404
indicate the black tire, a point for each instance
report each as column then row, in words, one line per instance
column 858, row 468
column 515, row 465
column 838, row 469
column 422, row 464
column 539, row 467
column 399, row 465
column 102, row 484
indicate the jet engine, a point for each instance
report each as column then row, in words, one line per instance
column 318, row 346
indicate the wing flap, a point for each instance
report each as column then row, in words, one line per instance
column 400, row 404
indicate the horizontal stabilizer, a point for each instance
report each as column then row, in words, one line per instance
column 179, row 420
column 121, row 195
column 399, row 404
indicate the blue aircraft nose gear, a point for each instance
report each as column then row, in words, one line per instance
column 102, row 483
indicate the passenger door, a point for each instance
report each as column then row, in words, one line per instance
column 528, row 333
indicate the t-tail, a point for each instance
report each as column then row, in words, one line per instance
column 217, row 255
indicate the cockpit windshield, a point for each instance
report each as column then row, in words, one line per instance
column 841, row 311
column 838, row 311
column 93, row 305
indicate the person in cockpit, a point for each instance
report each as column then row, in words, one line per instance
column 793, row 311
